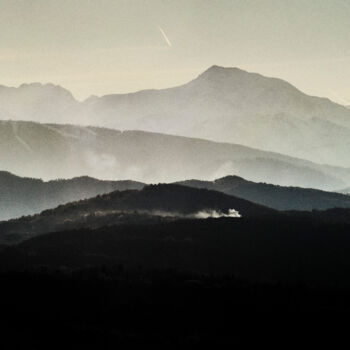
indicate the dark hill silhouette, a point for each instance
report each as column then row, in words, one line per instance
column 334, row 215
column 175, row 198
column 275, row 249
column 117, row 207
column 277, row 197
column 26, row 196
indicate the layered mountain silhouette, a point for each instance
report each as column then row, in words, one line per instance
column 222, row 104
column 277, row 197
column 173, row 201
column 27, row 196
column 52, row 151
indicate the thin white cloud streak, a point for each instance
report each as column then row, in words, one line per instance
column 165, row 37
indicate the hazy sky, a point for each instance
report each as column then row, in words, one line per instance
column 105, row 46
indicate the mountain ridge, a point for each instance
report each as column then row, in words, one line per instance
column 221, row 104
column 52, row 151
column 273, row 196
column 28, row 196
column 154, row 201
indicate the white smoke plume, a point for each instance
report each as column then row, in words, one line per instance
column 204, row 214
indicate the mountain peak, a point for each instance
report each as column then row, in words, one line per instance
column 215, row 70
column 219, row 76
column 37, row 87
column 245, row 84
column 31, row 85
column 231, row 180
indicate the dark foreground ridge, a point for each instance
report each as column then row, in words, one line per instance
column 289, row 250
column 133, row 278
column 103, row 308
column 174, row 284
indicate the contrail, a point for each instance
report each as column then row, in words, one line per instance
column 165, row 37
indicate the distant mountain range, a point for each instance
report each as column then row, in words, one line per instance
column 222, row 104
column 26, row 196
column 36, row 102
column 52, row 151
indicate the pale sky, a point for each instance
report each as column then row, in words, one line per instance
column 116, row 46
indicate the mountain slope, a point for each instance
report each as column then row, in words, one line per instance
column 277, row 197
column 52, row 151
column 25, row 196
column 221, row 104
column 116, row 207
column 231, row 105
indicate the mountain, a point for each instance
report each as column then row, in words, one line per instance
column 36, row 101
column 221, row 104
column 134, row 206
column 277, row 197
column 232, row 105
column 52, row 151
column 26, row 196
